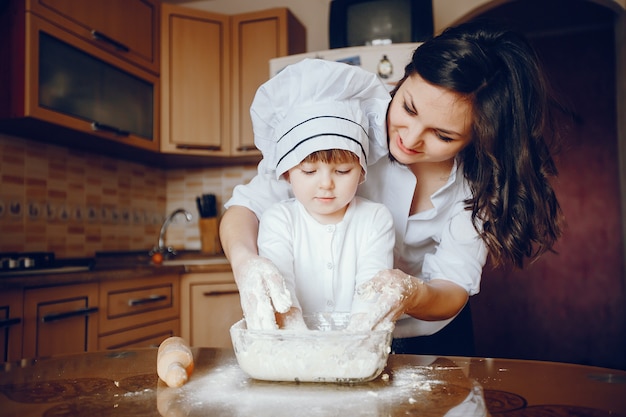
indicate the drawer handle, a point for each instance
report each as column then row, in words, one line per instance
column 200, row 147
column 99, row 36
column 9, row 322
column 96, row 126
column 147, row 300
column 67, row 314
column 211, row 293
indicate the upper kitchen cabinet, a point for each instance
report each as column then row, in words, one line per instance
column 195, row 79
column 67, row 89
column 256, row 38
column 128, row 29
column 212, row 65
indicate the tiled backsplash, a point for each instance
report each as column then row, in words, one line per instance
column 76, row 203
column 184, row 185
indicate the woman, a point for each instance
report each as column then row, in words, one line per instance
column 467, row 177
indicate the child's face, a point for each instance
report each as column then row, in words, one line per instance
column 325, row 189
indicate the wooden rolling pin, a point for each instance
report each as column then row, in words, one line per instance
column 174, row 361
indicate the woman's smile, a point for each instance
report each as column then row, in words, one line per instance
column 404, row 149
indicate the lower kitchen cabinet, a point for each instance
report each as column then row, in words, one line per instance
column 60, row 320
column 210, row 306
column 11, row 324
column 138, row 312
column 110, row 313
column 146, row 336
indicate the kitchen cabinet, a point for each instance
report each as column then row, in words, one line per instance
column 256, row 38
column 11, row 324
column 60, row 320
column 211, row 306
column 128, row 29
column 63, row 87
column 147, row 336
column 212, row 65
column 138, row 312
column 195, row 81
column 109, row 313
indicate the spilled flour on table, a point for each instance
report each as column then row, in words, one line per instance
column 227, row 391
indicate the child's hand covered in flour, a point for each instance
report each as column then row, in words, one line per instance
column 262, row 292
column 391, row 292
column 291, row 320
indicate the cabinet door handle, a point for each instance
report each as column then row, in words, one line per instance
column 67, row 314
column 107, row 128
column 99, row 36
column 151, row 299
column 9, row 322
column 211, row 293
column 200, row 147
column 247, row 148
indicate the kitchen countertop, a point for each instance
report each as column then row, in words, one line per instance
column 124, row 383
column 134, row 264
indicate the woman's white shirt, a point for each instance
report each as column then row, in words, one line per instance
column 440, row 243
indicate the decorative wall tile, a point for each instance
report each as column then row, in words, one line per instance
column 60, row 200
column 184, row 185
column 77, row 203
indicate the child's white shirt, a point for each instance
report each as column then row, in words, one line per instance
column 323, row 264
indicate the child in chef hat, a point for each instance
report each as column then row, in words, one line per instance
column 319, row 124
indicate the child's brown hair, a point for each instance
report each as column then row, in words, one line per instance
column 332, row 155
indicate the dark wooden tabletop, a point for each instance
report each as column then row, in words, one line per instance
column 124, row 383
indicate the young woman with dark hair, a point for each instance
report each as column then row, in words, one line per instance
column 470, row 134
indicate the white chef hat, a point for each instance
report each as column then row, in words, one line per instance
column 316, row 105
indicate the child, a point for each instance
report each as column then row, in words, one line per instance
column 324, row 241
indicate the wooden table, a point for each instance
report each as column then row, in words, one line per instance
column 124, row 383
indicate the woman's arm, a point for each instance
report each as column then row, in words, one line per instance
column 437, row 299
column 262, row 290
column 239, row 228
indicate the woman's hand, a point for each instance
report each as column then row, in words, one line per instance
column 392, row 292
column 262, row 292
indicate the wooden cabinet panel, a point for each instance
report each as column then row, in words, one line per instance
column 111, row 314
column 256, row 38
column 60, row 320
column 135, row 303
column 211, row 67
column 11, row 324
column 195, row 80
column 146, row 336
column 210, row 307
column 126, row 28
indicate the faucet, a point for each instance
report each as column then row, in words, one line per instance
column 160, row 247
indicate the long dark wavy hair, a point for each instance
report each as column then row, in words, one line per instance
column 509, row 162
